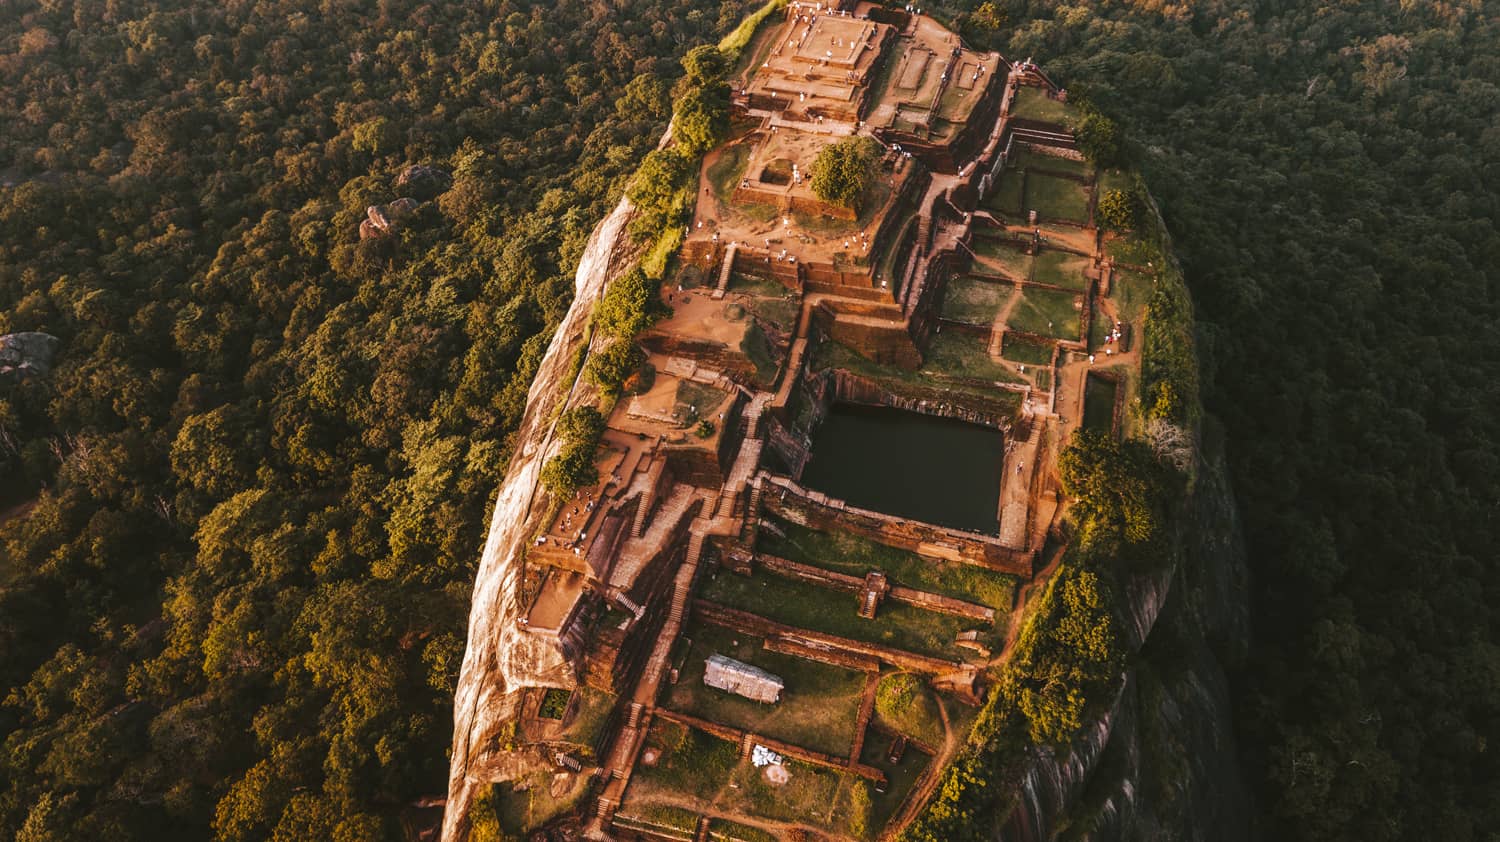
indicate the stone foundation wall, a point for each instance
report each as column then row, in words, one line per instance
column 789, row 501
column 842, row 385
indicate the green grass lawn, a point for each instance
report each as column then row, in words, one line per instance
column 1131, row 291
column 813, row 795
column 917, row 714
column 957, row 103
column 1022, row 350
column 1057, row 198
column 967, row 299
column 1099, row 403
column 1007, row 196
column 725, row 172
column 900, row 777
column 689, row 762
column 696, row 400
column 818, row 707
column 1048, row 312
column 723, row 830
column 1060, row 268
column 835, row 355
column 1032, row 103
column 1115, row 179
column 1031, row 159
column 588, row 722
column 960, row 355
column 665, row 819
column 856, row 556
column 995, row 256
column 752, row 285
column 757, row 348
column 527, row 804
column 832, row 612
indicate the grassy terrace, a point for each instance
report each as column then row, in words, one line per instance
column 1031, row 159
column 833, row 355
column 727, row 169
column 1007, row 196
column 833, row 612
column 1057, row 198
column 970, row 300
column 1032, row 103
column 1022, row 350
column 723, row 830
column 1062, row 269
column 900, row 776
column 818, row 707
column 814, row 795
column 1000, row 256
column 856, row 556
column 967, row 356
column 905, row 704
column 692, row 764
column 696, row 400
column 528, row 803
column 1049, row 313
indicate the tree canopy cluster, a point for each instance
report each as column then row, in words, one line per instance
column 263, row 463
column 844, row 169
column 1330, row 179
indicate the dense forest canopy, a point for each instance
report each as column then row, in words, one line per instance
column 1330, row 174
column 263, row 463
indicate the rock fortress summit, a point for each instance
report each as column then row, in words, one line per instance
column 823, row 498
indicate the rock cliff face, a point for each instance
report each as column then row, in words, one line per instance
column 500, row 658
column 1162, row 764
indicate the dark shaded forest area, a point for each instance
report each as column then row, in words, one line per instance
column 1330, row 172
column 263, row 463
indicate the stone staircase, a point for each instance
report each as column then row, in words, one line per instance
column 745, row 466
column 682, row 588
column 727, row 270
column 637, row 552
column 753, row 411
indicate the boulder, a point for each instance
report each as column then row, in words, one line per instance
column 28, row 353
column 423, row 182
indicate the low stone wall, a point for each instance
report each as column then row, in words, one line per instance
column 790, row 501
column 748, row 623
column 843, row 385
column 746, row 738
column 852, row 584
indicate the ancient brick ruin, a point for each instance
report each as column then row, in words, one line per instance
column 784, row 306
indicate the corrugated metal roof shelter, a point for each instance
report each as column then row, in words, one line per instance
column 746, row 680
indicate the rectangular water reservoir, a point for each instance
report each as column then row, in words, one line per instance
column 910, row 465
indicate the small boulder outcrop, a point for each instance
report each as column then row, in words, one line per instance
column 25, row 354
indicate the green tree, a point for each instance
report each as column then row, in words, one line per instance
column 701, row 118
column 630, row 304
column 1118, row 209
column 657, row 189
column 844, row 169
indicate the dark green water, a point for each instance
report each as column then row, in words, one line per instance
column 910, row 465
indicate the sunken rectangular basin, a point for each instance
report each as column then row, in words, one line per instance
column 910, row 465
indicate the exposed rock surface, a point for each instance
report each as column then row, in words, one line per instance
column 382, row 220
column 499, row 654
column 1162, row 764
column 423, row 182
column 25, row 354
